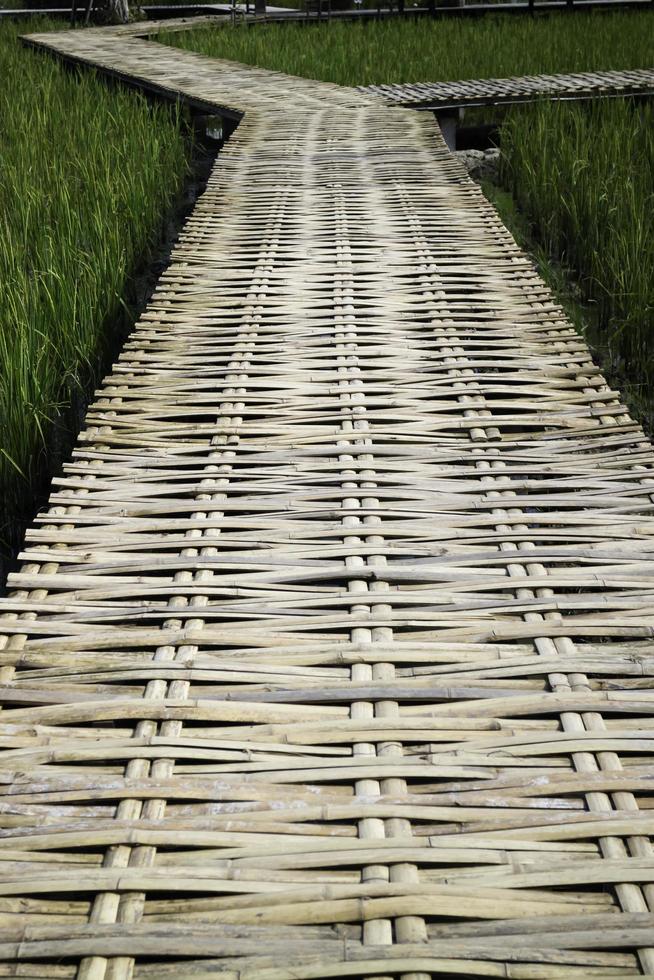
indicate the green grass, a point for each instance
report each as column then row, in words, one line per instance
column 582, row 175
column 87, row 174
column 580, row 310
column 433, row 50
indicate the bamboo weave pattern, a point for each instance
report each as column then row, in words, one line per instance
column 331, row 655
column 527, row 88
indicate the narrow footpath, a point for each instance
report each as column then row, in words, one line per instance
column 332, row 653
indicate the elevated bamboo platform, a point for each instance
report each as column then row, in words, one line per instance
column 331, row 655
column 505, row 91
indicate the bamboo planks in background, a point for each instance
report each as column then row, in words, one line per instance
column 525, row 88
column 331, row 655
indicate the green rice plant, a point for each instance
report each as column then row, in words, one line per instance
column 409, row 49
column 87, row 174
column 583, row 176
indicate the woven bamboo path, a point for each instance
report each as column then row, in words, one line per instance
column 528, row 88
column 331, row 655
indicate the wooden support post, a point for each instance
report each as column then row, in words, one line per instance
column 448, row 122
column 260, row 7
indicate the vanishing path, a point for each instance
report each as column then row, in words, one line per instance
column 331, row 654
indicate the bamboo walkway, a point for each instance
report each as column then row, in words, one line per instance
column 330, row 654
column 528, row 88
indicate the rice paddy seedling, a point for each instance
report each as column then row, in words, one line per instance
column 583, row 176
column 410, row 50
column 86, row 176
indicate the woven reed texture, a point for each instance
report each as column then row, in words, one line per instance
column 528, row 88
column 331, row 655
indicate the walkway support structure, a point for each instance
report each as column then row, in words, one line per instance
column 331, row 655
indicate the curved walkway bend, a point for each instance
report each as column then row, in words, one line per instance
column 331, row 655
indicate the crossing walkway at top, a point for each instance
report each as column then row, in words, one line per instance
column 331, row 654
column 526, row 88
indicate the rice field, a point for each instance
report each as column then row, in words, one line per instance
column 410, row 50
column 87, row 175
column 582, row 175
